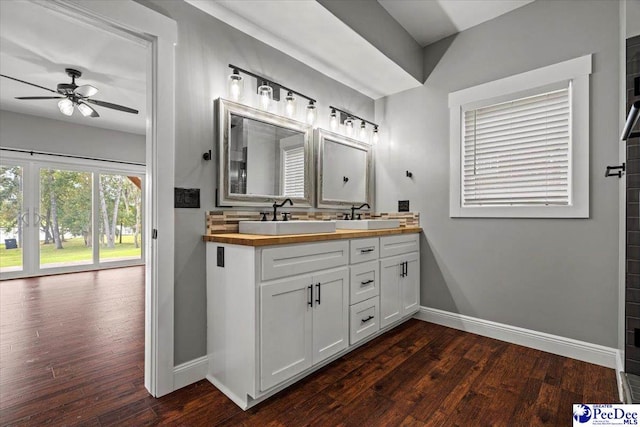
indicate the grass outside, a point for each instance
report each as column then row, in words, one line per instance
column 74, row 252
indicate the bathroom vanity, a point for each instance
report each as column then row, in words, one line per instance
column 280, row 307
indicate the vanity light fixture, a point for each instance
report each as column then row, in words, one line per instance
column 348, row 124
column 376, row 136
column 290, row 104
column 311, row 113
column 236, row 85
column 333, row 121
column 269, row 91
column 265, row 92
column 363, row 130
column 341, row 116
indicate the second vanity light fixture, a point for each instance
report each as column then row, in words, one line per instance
column 338, row 116
column 269, row 91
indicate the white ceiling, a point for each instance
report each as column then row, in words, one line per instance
column 37, row 44
column 431, row 20
column 310, row 33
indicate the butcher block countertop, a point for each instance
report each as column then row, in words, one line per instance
column 264, row 240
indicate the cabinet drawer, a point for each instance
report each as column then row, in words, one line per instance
column 364, row 250
column 400, row 244
column 364, row 319
column 365, row 281
column 291, row 260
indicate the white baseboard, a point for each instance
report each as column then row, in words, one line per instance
column 190, row 372
column 568, row 347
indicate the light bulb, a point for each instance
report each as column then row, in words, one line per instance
column 363, row 130
column 66, row 106
column 266, row 94
column 290, row 105
column 311, row 113
column 333, row 121
column 348, row 124
column 376, row 136
column 86, row 110
column 236, row 86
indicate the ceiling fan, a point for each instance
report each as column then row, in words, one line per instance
column 73, row 95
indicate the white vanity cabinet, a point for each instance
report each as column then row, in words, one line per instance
column 275, row 313
column 303, row 320
column 399, row 277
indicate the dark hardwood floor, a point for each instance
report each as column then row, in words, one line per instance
column 71, row 353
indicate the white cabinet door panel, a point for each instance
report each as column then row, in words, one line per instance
column 390, row 291
column 330, row 313
column 411, row 284
column 285, row 330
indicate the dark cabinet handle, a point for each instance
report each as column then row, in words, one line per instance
column 366, row 282
column 367, row 319
column 367, row 250
column 318, row 300
column 310, row 300
column 404, row 271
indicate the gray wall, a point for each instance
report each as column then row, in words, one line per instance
column 633, row 18
column 205, row 47
column 552, row 275
column 54, row 136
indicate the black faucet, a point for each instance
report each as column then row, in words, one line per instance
column 276, row 206
column 354, row 209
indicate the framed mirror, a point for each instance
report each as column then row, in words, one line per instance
column 344, row 171
column 262, row 157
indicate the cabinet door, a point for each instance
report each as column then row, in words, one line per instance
column 330, row 313
column 285, row 330
column 411, row 284
column 390, row 290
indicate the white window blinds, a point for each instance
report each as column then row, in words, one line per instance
column 516, row 153
column 294, row 172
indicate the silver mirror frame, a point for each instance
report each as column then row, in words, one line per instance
column 224, row 109
column 321, row 135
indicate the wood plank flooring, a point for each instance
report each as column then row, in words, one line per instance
column 71, row 353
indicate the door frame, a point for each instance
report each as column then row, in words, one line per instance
column 158, row 34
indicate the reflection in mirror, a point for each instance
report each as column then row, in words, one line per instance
column 263, row 157
column 344, row 166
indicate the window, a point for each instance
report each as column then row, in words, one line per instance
column 293, row 172
column 520, row 145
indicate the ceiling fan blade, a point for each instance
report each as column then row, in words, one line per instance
column 85, row 91
column 27, row 83
column 87, row 110
column 39, row 97
column 113, row 106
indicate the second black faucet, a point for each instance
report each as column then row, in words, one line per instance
column 276, row 206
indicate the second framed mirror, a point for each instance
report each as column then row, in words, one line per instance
column 344, row 174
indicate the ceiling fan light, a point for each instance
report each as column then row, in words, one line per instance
column 86, row 110
column 66, row 107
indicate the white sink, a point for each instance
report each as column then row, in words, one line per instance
column 277, row 228
column 367, row 224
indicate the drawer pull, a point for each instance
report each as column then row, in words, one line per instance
column 366, row 282
column 367, row 319
column 366, row 250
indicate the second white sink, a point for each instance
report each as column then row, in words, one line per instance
column 367, row 224
column 278, row 228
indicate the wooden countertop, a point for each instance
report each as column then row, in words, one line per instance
column 264, row 240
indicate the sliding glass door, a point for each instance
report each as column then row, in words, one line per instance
column 64, row 217
column 13, row 217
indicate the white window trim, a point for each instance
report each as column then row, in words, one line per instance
column 577, row 72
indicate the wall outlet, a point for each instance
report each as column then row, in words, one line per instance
column 403, row 206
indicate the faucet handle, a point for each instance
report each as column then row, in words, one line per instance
column 346, row 216
column 359, row 216
column 264, row 216
column 286, row 216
